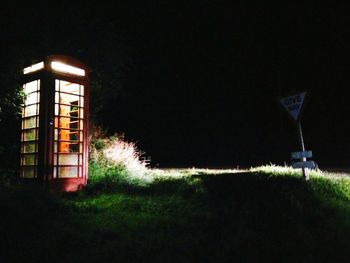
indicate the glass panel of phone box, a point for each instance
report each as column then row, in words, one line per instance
column 68, row 132
column 30, row 129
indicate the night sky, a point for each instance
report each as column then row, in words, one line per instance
column 195, row 83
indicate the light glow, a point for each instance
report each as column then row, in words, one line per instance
column 58, row 66
column 33, row 68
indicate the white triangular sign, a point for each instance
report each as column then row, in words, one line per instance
column 293, row 104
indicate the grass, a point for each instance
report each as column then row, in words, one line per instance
column 265, row 214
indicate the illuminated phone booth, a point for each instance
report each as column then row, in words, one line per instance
column 54, row 140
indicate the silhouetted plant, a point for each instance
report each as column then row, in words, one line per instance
column 114, row 161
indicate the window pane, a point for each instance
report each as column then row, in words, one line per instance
column 68, row 159
column 31, row 110
column 64, row 147
column 28, row 147
column 74, row 124
column 57, row 84
column 30, row 135
column 63, row 135
column 73, row 147
column 64, row 110
column 69, row 99
column 29, row 123
column 74, row 111
column 68, row 123
column 69, row 87
column 31, row 86
column 32, row 98
column 67, row 111
column 74, row 135
column 68, row 147
column 68, row 135
column 28, row 159
column 56, row 134
column 55, row 147
column 68, row 171
column 28, row 172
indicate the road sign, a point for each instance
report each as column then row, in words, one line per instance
column 300, row 155
column 307, row 164
column 293, row 104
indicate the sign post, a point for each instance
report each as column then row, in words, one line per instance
column 293, row 105
column 302, row 146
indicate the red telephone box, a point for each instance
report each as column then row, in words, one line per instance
column 54, row 140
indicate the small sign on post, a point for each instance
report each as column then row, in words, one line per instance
column 300, row 155
column 293, row 104
column 299, row 160
column 306, row 164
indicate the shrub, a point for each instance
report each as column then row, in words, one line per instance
column 8, row 176
column 114, row 161
column 10, row 112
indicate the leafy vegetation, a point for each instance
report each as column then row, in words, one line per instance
column 115, row 162
column 190, row 215
column 11, row 98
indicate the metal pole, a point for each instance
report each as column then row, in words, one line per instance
column 301, row 141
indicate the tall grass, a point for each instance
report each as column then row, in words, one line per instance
column 115, row 162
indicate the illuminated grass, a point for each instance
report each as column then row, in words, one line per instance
column 320, row 181
column 187, row 172
column 283, row 171
column 261, row 214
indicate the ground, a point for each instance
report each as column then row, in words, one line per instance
column 188, row 215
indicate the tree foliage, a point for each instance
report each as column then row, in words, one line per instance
column 11, row 98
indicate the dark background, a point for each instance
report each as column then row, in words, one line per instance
column 195, row 83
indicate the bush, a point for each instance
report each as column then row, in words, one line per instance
column 10, row 112
column 8, row 176
column 114, row 161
